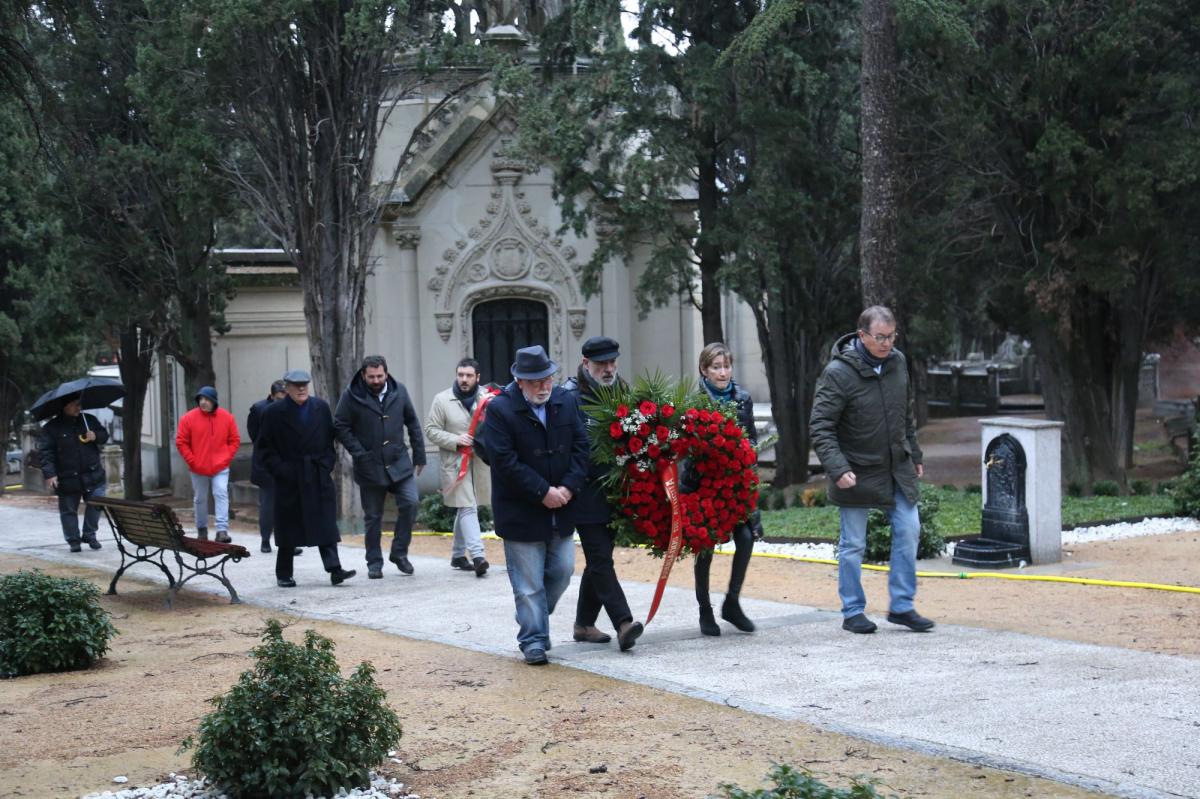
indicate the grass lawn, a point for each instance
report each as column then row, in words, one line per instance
column 960, row 514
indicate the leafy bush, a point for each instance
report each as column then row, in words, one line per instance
column 814, row 498
column 292, row 726
column 1185, row 489
column 879, row 531
column 793, row 783
column 973, row 488
column 1074, row 489
column 949, row 487
column 433, row 514
column 1140, row 488
column 778, row 500
column 1106, row 488
column 1163, row 488
column 50, row 624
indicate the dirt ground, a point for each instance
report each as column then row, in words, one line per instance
column 477, row 725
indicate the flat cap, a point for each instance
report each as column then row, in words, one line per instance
column 601, row 348
column 297, row 376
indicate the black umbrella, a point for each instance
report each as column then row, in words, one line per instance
column 94, row 392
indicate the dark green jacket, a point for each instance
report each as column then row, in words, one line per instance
column 862, row 422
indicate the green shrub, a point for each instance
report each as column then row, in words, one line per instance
column 293, row 726
column 793, row 783
column 1163, row 488
column 949, row 487
column 879, row 532
column 1140, row 488
column 778, row 500
column 972, row 488
column 50, row 624
column 1074, row 489
column 1185, row 489
column 1105, row 488
column 797, row 499
column 433, row 514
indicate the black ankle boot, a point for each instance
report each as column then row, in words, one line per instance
column 731, row 612
column 708, row 624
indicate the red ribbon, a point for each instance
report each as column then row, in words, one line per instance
column 670, row 481
column 476, row 418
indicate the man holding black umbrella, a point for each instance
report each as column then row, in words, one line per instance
column 70, row 449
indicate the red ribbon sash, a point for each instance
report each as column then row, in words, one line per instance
column 476, row 418
column 670, row 481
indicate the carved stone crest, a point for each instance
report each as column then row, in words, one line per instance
column 510, row 259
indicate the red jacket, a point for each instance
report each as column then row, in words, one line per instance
column 208, row 441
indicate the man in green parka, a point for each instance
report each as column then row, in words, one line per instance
column 863, row 432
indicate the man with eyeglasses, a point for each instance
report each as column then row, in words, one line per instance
column 538, row 451
column 863, row 432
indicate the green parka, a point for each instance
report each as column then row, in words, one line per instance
column 862, row 422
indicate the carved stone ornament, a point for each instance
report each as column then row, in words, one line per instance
column 577, row 317
column 510, row 259
column 445, row 324
column 407, row 236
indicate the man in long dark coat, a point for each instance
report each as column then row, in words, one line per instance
column 73, row 468
column 296, row 444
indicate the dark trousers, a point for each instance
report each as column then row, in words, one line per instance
column 285, row 555
column 599, row 586
column 266, row 511
column 743, row 542
column 68, row 511
column 373, row 498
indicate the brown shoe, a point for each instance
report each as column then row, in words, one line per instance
column 630, row 632
column 591, row 635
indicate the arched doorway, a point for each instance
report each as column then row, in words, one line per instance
column 500, row 327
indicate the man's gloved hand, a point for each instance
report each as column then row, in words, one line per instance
column 756, row 527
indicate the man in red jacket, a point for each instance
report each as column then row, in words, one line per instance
column 208, row 440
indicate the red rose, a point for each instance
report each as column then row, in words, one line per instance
column 668, row 411
column 622, row 411
column 615, row 430
column 648, row 408
column 718, row 417
column 692, row 413
column 706, row 416
column 643, row 430
column 654, row 451
column 636, row 444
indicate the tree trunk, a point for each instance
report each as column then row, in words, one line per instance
column 709, row 195
column 10, row 404
column 878, row 248
column 196, row 354
column 137, row 353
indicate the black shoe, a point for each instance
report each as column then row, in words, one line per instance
column 629, row 635
column 265, row 548
column 374, row 574
column 480, row 567
column 858, row 624
column 93, row 543
column 590, row 635
column 461, row 562
column 402, row 563
column 912, row 620
column 288, row 583
column 536, row 657
column 731, row 611
column 75, row 546
column 223, row 537
column 708, row 624
column 202, row 533
column 297, row 552
column 341, row 575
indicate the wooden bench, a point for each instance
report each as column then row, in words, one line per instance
column 145, row 532
column 1179, row 422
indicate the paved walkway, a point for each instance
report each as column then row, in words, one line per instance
column 1119, row 721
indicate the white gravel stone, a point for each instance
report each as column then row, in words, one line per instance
column 178, row 786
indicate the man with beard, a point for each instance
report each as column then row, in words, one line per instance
column 538, row 451
column 599, row 587
column 466, row 482
column 370, row 421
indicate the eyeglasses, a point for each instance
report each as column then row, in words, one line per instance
column 881, row 339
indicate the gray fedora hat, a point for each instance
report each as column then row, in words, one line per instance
column 533, row 363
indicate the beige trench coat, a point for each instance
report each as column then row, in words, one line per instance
column 446, row 421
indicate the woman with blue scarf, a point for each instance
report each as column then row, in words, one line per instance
column 716, row 376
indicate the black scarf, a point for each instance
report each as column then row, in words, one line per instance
column 468, row 400
column 866, row 355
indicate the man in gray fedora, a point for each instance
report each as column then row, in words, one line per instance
column 538, row 451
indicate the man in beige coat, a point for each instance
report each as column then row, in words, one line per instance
column 448, row 425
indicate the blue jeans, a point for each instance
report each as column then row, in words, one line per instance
column 539, row 573
column 220, row 491
column 373, row 498
column 902, row 579
column 68, row 511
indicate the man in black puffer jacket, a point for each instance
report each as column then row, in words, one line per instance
column 863, row 432
column 370, row 421
column 70, row 449
column 599, row 587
